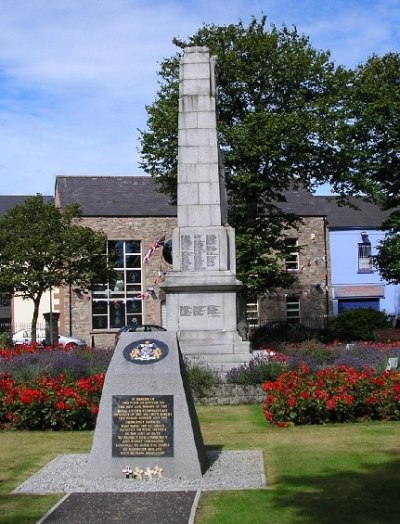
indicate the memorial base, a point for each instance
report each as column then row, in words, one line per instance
column 147, row 424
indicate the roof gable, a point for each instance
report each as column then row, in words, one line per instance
column 363, row 215
column 8, row 202
column 113, row 196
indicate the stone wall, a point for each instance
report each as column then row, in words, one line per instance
column 315, row 299
column 313, row 277
column 226, row 394
column 145, row 229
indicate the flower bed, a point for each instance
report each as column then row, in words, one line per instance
column 337, row 394
column 51, row 388
column 49, row 403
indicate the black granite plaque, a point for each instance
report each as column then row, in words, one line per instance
column 142, row 426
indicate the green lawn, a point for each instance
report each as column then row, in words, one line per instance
column 346, row 473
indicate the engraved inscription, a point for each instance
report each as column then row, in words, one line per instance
column 199, row 252
column 185, row 311
column 210, row 311
column 199, row 311
column 213, row 311
column 142, row 426
column 186, row 252
column 212, row 251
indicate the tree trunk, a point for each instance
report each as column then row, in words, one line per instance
column 36, row 304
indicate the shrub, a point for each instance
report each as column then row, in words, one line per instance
column 26, row 366
column 338, row 394
column 47, row 403
column 259, row 369
column 200, row 376
column 358, row 324
column 5, row 341
column 281, row 332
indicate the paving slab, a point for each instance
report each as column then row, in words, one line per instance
column 173, row 507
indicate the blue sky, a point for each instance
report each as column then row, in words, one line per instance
column 75, row 76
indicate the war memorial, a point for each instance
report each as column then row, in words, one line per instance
column 147, row 437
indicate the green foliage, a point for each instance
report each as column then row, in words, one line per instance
column 388, row 258
column 5, row 341
column 286, row 114
column 278, row 102
column 280, row 332
column 337, row 394
column 257, row 371
column 371, row 138
column 200, row 376
column 370, row 131
column 43, row 247
column 358, row 324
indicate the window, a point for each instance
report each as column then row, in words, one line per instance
column 118, row 302
column 293, row 309
column 292, row 259
column 252, row 314
column 365, row 258
column 357, row 303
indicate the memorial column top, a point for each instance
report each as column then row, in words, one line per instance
column 201, row 183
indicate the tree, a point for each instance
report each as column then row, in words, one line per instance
column 279, row 101
column 43, row 247
column 371, row 138
column 388, row 258
column 369, row 132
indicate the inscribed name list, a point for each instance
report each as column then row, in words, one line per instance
column 199, row 252
column 142, row 426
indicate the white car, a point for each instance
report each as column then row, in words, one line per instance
column 24, row 337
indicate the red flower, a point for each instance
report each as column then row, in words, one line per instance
column 330, row 404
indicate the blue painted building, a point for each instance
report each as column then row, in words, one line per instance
column 354, row 235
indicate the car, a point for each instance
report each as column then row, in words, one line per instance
column 137, row 328
column 23, row 336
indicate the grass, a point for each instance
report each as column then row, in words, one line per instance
column 316, row 474
column 22, row 454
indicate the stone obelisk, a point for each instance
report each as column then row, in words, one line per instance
column 201, row 290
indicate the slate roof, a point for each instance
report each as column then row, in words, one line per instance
column 302, row 203
column 7, row 202
column 368, row 216
column 113, row 196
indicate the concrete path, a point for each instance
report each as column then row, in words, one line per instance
column 168, row 507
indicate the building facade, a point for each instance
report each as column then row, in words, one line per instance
column 134, row 218
column 354, row 235
column 332, row 260
column 308, row 300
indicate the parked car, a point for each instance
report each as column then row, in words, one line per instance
column 23, row 336
column 138, row 327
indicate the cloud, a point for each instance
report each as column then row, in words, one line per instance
column 75, row 76
column 354, row 31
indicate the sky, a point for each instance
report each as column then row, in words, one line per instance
column 76, row 75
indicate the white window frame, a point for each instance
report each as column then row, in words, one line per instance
column 252, row 314
column 292, row 260
column 115, row 305
column 365, row 259
column 293, row 309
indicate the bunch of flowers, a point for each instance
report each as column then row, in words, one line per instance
column 50, row 403
column 337, row 394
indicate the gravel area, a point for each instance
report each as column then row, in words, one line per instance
column 226, row 470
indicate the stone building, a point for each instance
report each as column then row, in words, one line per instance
column 134, row 217
column 308, row 301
